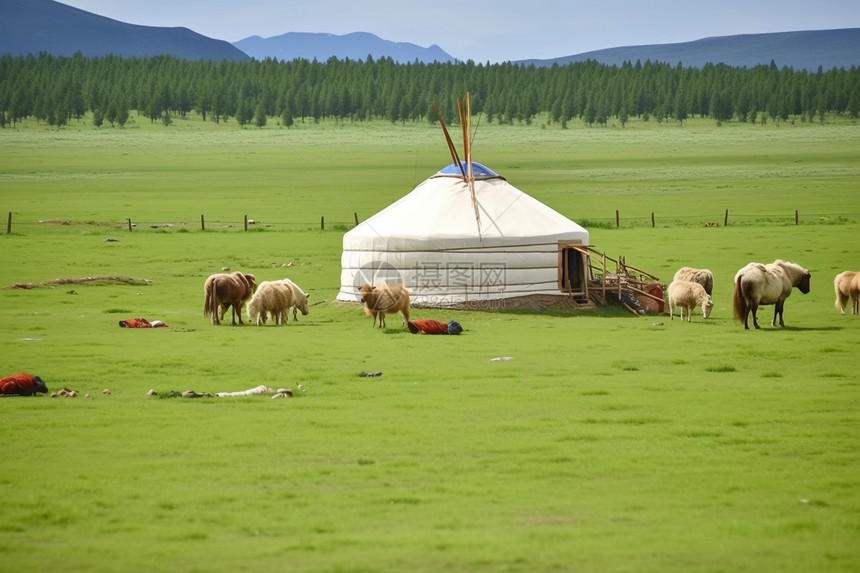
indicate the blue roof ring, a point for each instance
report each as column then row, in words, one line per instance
column 477, row 169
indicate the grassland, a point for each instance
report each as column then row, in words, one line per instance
column 609, row 443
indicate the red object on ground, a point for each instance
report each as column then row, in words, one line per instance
column 656, row 290
column 22, row 383
column 429, row 326
column 140, row 323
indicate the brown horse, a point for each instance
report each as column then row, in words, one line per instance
column 759, row 284
column 227, row 290
column 847, row 285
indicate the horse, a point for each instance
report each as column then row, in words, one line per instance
column 847, row 285
column 223, row 290
column 763, row 284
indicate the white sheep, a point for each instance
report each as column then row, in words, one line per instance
column 688, row 295
column 271, row 298
column 702, row 276
column 299, row 299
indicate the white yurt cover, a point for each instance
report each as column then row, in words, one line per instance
column 429, row 241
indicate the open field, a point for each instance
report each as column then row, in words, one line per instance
column 609, row 443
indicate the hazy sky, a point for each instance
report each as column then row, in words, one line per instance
column 489, row 30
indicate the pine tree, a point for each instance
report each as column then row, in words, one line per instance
column 287, row 118
column 260, row 116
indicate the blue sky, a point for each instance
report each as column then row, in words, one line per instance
column 489, row 30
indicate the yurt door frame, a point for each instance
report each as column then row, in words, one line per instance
column 573, row 267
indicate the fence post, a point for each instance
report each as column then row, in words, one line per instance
column 652, row 219
column 617, row 219
column 246, row 222
column 202, row 223
column 726, row 219
column 355, row 214
column 322, row 223
column 9, row 224
column 796, row 218
column 129, row 225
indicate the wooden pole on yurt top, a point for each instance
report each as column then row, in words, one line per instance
column 465, row 109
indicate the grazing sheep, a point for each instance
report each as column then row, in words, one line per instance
column 299, row 297
column 271, row 298
column 227, row 290
column 847, row 285
column 702, row 276
column 688, row 295
column 383, row 298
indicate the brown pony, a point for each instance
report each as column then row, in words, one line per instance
column 227, row 290
column 847, row 285
column 759, row 284
column 383, row 298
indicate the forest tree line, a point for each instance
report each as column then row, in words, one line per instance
column 57, row 89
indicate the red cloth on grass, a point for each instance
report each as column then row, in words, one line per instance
column 21, row 383
column 431, row 326
column 140, row 323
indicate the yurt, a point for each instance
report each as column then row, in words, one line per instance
column 466, row 238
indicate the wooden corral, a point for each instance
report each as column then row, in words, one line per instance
column 593, row 279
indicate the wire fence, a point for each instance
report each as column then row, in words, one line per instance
column 616, row 220
column 132, row 224
column 724, row 219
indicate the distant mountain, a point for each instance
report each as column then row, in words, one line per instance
column 34, row 26
column 355, row 46
column 798, row 50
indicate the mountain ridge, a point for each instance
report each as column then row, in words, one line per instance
column 36, row 26
column 322, row 46
column 805, row 49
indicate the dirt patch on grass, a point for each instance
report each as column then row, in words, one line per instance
column 82, row 280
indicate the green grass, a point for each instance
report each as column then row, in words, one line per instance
column 609, row 443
